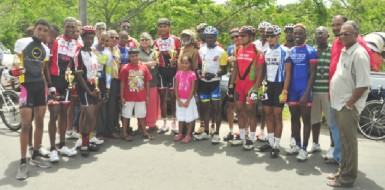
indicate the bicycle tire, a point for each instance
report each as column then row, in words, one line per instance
column 12, row 117
column 372, row 123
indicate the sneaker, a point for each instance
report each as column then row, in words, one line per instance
column 248, row 145
column 236, row 142
column 202, row 136
column 175, row 128
column 329, row 154
column 39, row 162
column 43, row 152
column 302, row 155
column 261, row 136
column 53, row 156
column 72, row 135
column 293, row 150
column 229, row 137
column 215, row 139
column 78, row 143
column 68, row 152
column 315, row 148
column 292, row 142
column 164, row 129
column 96, row 141
column 274, row 153
column 264, row 148
column 84, row 151
column 22, row 172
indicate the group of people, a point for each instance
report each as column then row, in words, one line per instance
column 114, row 77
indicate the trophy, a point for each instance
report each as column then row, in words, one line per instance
column 69, row 78
column 96, row 80
column 263, row 90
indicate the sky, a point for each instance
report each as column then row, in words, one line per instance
column 279, row 2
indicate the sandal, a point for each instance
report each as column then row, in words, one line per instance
column 178, row 137
column 330, row 161
column 127, row 138
column 186, row 139
column 336, row 183
column 149, row 137
column 332, row 176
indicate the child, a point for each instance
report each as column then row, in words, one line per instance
column 134, row 93
column 186, row 109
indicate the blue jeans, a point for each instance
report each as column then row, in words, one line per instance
column 336, row 137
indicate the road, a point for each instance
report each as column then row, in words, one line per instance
column 164, row 164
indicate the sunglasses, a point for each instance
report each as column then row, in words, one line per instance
column 345, row 34
column 271, row 36
column 116, row 38
column 242, row 35
column 144, row 40
column 233, row 37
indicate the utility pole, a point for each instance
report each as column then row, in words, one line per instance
column 83, row 11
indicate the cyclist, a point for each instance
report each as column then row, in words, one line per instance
column 289, row 36
column 304, row 68
column 214, row 60
column 168, row 47
column 278, row 75
column 248, row 74
column 63, row 51
column 33, row 56
column 200, row 28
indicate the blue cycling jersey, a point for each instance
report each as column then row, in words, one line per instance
column 302, row 57
column 275, row 60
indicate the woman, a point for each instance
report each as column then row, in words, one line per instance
column 148, row 58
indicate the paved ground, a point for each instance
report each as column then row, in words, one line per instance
column 164, row 164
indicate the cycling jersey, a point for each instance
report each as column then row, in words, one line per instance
column 167, row 47
column 275, row 60
column 302, row 57
column 212, row 60
column 132, row 42
column 33, row 54
column 259, row 45
column 63, row 50
column 124, row 56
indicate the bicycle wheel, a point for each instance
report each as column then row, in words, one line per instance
column 372, row 122
column 10, row 111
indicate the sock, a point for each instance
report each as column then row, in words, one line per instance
column 80, row 136
column 276, row 142
column 91, row 135
column 242, row 133
column 23, row 161
column 298, row 141
column 85, row 139
column 231, row 131
column 252, row 136
column 61, row 144
column 35, row 154
column 270, row 138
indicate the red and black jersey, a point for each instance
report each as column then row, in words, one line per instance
column 63, row 51
column 168, row 47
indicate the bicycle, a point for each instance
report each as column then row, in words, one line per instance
column 372, row 118
column 9, row 108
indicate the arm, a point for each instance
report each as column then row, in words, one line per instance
column 286, row 82
column 177, row 98
column 259, row 72
column 191, row 93
column 234, row 75
column 357, row 93
column 309, row 87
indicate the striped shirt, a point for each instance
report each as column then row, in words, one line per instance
column 321, row 83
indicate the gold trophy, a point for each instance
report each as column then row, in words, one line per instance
column 69, row 78
column 96, row 81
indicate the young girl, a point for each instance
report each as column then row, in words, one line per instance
column 186, row 108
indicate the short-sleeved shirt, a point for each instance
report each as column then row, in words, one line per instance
column 132, row 42
column 33, row 54
column 115, row 62
column 321, row 83
column 247, row 59
column 167, row 46
column 185, row 80
column 302, row 57
column 353, row 71
column 134, row 78
column 212, row 60
column 88, row 63
column 124, row 56
column 275, row 60
column 190, row 51
column 63, row 51
column 258, row 43
column 146, row 57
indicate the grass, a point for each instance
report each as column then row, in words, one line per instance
column 286, row 113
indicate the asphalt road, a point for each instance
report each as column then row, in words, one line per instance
column 164, row 164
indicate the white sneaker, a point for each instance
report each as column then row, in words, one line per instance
column 96, row 141
column 236, row 142
column 248, row 144
column 215, row 139
column 202, row 136
column 42, row 151
column 293, row 150
column 292, row 142
column 53, row 156
column 302, row 155
column 164, row 129
column 72, row 135
column 315, row 148
column 175, row 128
column 329, row 154
column 78, row 143
column 66, row 151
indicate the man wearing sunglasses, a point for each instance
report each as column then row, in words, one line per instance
column 304, row 68
column 126, row 26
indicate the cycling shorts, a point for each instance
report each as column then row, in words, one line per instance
column 295, row 95
column 61, row 86
column 274, row 90
column 32, row 94
column 209, row 91
column 166, row 78
column 242, row 90
column 85, row 98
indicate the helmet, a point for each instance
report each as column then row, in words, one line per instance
column 202, row 26
column 263, row 25
column 273, row 29
column 248, row 30
column 210, row 30
column 234, row 30
column 288, row 26
column 375, row 41
column 164, row 21
column 188, row 32
column 88, row 30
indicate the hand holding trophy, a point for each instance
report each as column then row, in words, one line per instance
column 69, row 78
